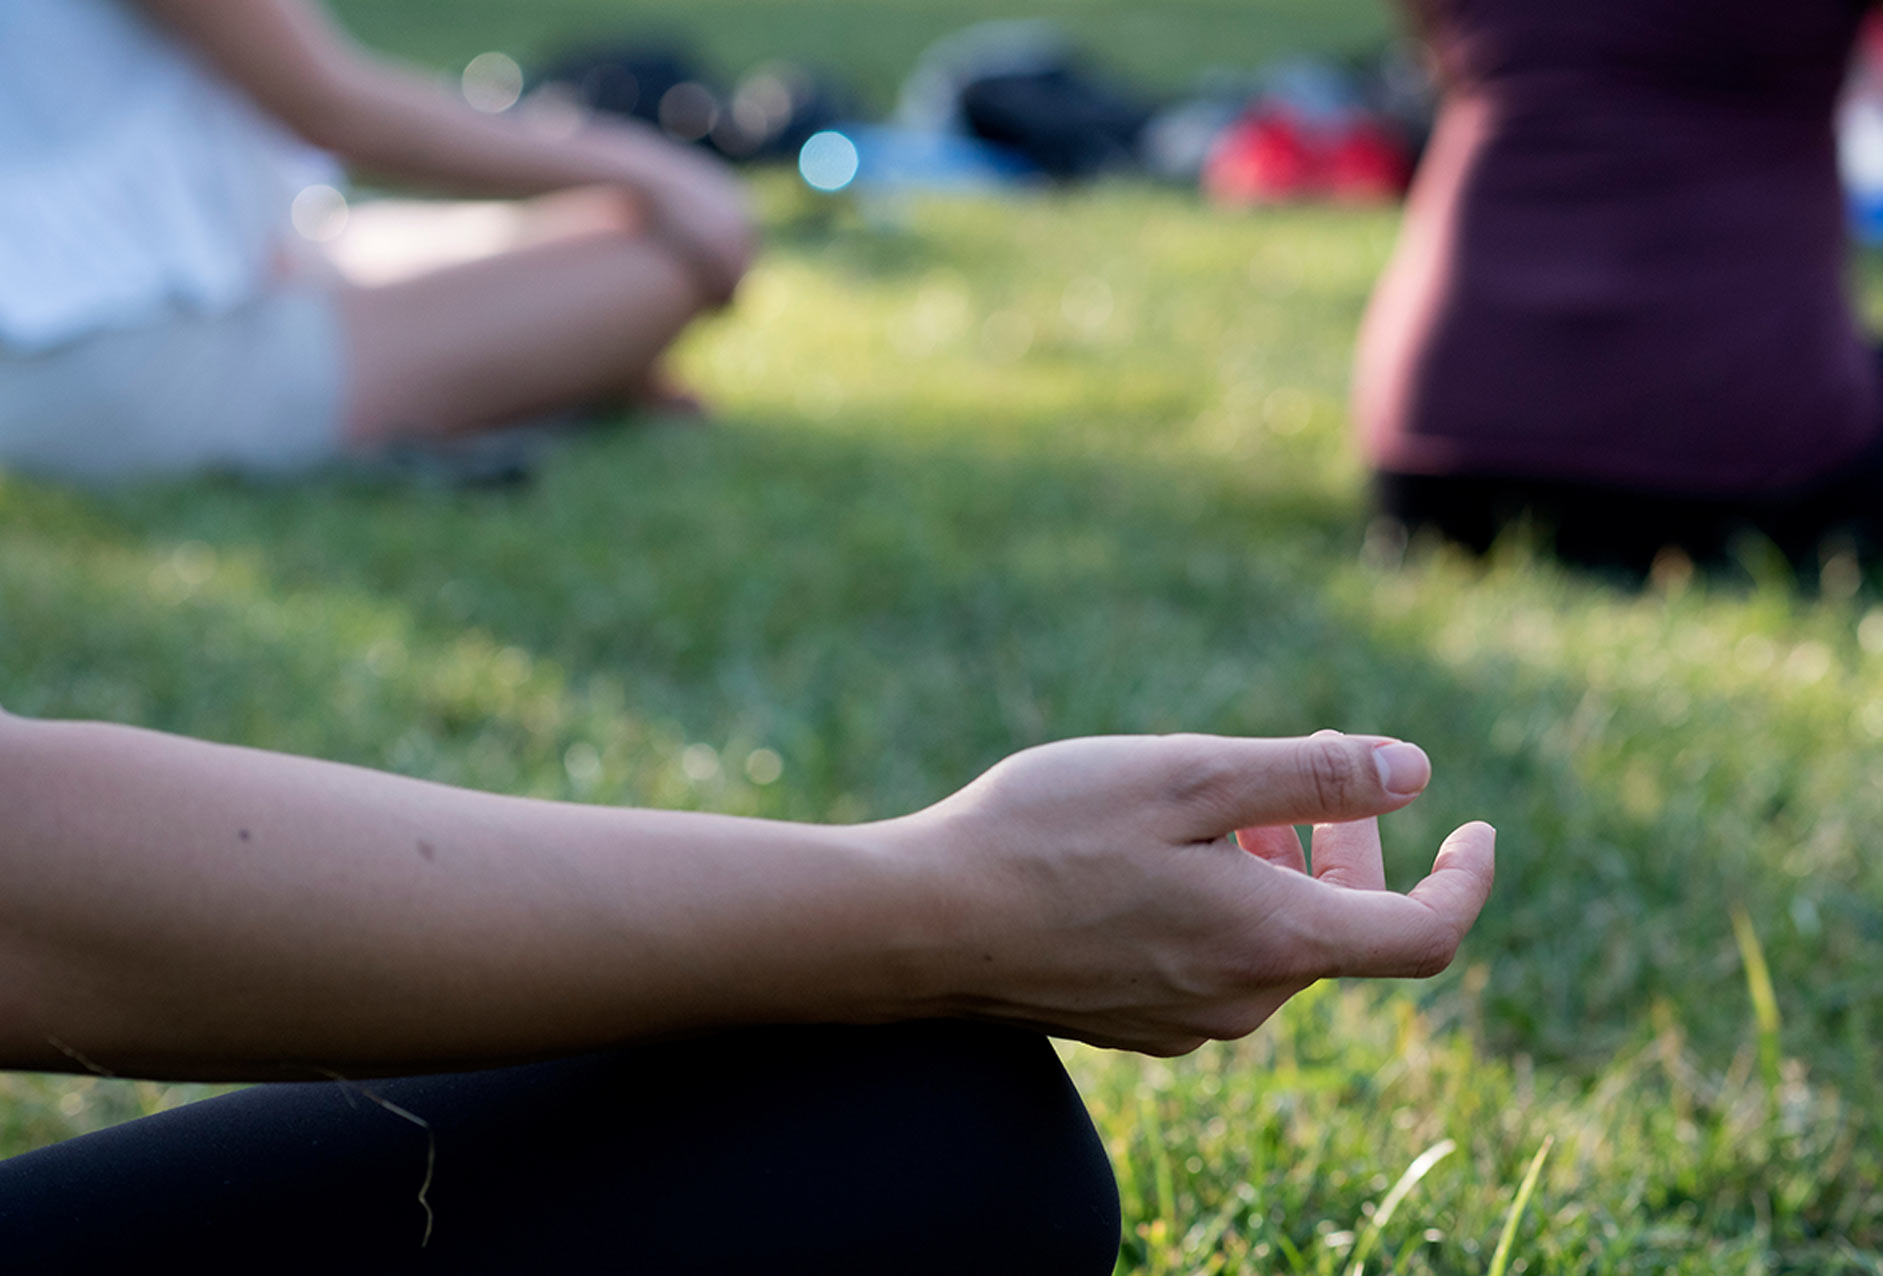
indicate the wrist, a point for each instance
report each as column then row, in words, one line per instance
column 935, row 949
column 765, row 922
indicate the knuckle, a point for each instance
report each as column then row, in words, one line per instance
column 1434, row 951
column 1198, row 775
column 1297, row 949
column 1301, row 964
column 1297, row 965
column 1333, row 774
column 1286, row 956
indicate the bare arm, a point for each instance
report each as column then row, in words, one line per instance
column 174, row 908
column 180, row 907
column 301, row 68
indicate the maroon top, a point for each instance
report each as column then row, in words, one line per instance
column 1623, row 258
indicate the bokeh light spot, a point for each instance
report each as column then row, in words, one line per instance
column 688, row 111
column 699, row 762
column 828, row 161
column 492, row 82
column 764, row 766
column 319, row 213
column 1007, row 335
column 553, row 111
column 762, row 105
column 583, row 762
column 1870, row 631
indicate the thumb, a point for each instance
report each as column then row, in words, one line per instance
column 1221, row 784
column 1412, row 936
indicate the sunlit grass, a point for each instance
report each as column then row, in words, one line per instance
column 993, row 472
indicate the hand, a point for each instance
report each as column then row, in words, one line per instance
column 699, row 209
column 1100, row 895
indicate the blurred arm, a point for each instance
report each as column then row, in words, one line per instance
column 298, row 66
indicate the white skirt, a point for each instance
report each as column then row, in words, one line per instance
column 259, row 390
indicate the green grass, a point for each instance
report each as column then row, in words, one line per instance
column 992, row 473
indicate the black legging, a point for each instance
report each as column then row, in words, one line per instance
column 1593, row 525
column 916, row 1148
column 1606, row 527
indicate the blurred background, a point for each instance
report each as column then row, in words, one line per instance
column 873, row 46
column 999, row 459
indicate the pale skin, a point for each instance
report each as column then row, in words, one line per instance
column 620, row 237
column 178, row 909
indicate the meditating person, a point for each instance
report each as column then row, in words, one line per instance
column 708, row 1044
column 160, row 314
column 1618, row 304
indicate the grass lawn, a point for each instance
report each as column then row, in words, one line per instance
column 991, row 473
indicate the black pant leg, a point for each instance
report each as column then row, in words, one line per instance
column 914, row 1148
column 1606, row 529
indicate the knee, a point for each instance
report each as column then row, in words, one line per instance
column 1062, row 1177
column 925, row 1148
column 715, row 261
column 582, row 212
column 1011, row 1153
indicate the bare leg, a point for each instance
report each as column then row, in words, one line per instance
column 577, row 316
column 389, row 241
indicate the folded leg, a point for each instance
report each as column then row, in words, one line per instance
column 915, row 1148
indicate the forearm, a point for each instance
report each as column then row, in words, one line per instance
column 395, row 124
column 183, row 909
column 307, row 73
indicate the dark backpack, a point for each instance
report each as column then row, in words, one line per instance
column 1067, row 123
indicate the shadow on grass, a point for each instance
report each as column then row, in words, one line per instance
column 890, row 615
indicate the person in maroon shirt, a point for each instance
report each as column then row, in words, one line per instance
column 1618, row 303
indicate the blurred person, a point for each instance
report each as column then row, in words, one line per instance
column 707, row 1044
column 159, row 313
column 1618, row 305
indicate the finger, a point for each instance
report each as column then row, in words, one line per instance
column 1462, row 876
column 1380, row 934
column 1279, row 844
column 1348, row 854
column 1215, row 784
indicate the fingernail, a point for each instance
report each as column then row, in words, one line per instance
column 1404, row 768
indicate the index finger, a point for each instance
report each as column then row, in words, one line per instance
column 1219, row 784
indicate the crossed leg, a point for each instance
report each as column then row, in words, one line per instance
column 913, row 1148
column 460, row 317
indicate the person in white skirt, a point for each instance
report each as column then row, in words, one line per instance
column 160, row 313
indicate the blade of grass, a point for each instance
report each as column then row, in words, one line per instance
column 1501, row 1258
column 1420, row 1166
column 1764, row 999
column 1162, row 1180
column 1297, row 1261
